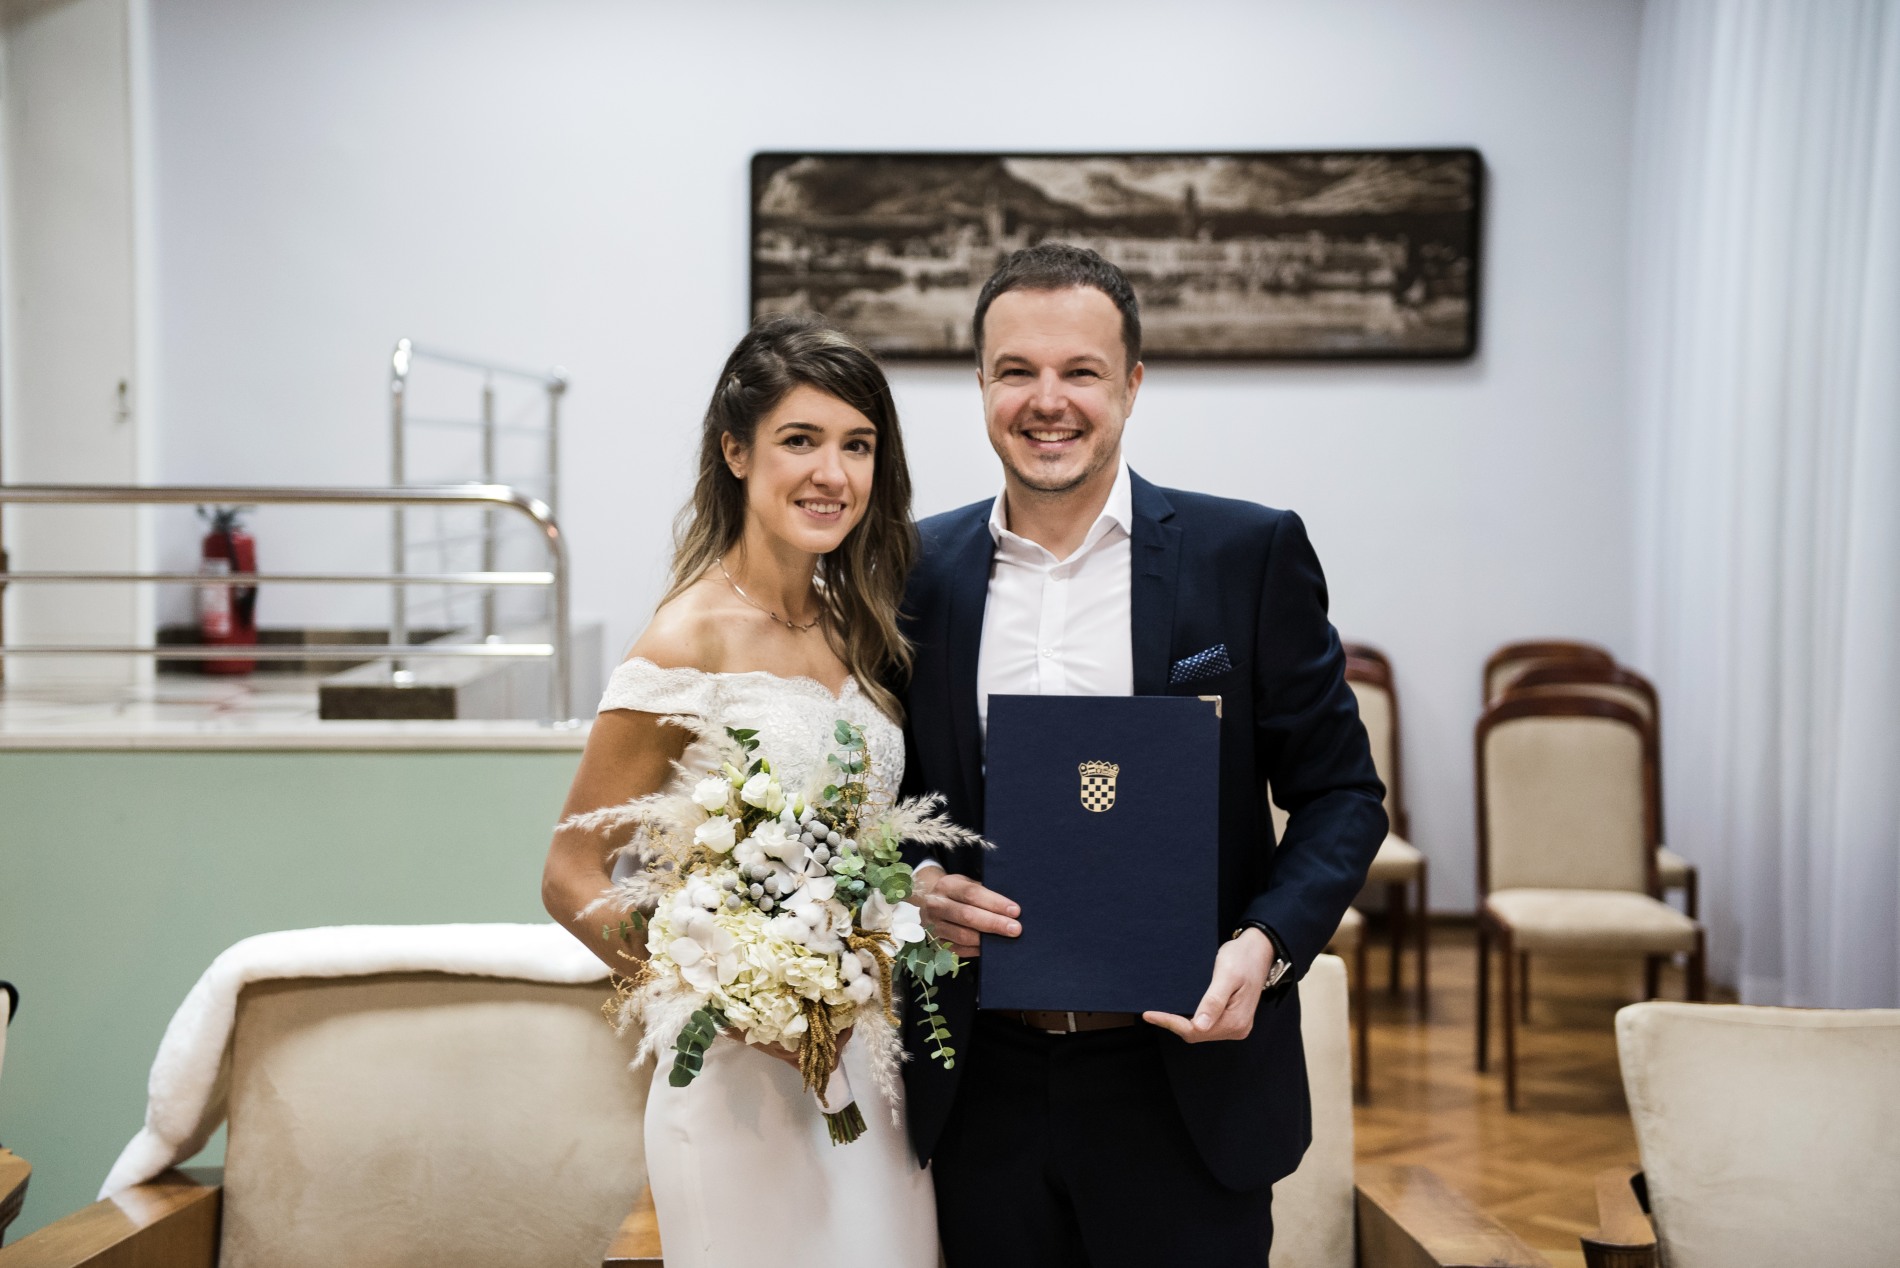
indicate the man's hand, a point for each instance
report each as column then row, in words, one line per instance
column 958, row 909
column 1226, row 1011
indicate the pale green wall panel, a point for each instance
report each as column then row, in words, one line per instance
column 123, row 874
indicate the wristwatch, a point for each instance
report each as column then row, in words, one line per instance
column 1281, row 965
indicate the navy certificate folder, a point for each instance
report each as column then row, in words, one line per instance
column 1104, row 814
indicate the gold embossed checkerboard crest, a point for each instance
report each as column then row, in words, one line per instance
column 1098, row 785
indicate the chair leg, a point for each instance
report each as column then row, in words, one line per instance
column 1362, row 1071
column 1509, row 961
column 1484, row 989
column 1652, row 976
column 1422, row 931
column 1698, row 967
column 1395, row 914
column 1690, row 897
column 1524, row 987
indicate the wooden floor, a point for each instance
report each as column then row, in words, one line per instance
column 1534, row 1169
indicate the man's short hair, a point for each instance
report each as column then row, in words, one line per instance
column 1056, row 266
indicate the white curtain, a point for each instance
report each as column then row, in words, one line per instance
column 1766, row 405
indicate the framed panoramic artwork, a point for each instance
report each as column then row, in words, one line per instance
column 1359, row 254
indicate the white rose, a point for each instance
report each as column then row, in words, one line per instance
column 711, row 793
column 763, row 791
column 715, row 834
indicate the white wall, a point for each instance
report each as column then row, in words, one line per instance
column 566, row 182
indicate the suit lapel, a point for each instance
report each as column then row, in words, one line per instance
column 969, row 591
column 1154, row 580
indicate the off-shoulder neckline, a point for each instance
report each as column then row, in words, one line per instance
column 844, row 693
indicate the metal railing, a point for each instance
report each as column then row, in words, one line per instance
column 402, row 362
column 494, row 498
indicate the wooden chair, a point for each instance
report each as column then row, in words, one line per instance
column 14, row 1170
column 394, row 1118
column 1400, row 866
column 1566, row 847
column 1514, row 658
column 1768, row 1137
column 1614, row 682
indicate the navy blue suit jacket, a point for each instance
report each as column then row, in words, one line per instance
column 1206, row 572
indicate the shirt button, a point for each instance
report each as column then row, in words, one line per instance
column 1048, row 653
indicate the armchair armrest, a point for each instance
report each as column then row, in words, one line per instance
column 1409, row 1218
column 14, row 1173
column 1625, row 1238
column 637, row 1244
column 171, row 1220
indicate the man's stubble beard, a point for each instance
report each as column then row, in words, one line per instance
column 1043, row 489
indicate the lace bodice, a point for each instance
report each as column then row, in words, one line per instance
column 794, row 717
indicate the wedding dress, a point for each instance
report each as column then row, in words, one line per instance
column 743, row 1172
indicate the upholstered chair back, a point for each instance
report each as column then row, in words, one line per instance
column 424, row 1119
column 1313, row 1207
column 1629, row 697
column 1513, row 659
column 1564, row 796
column 1768, row 1136
column 1381, row 722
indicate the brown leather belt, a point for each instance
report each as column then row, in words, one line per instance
column 1064, row 1023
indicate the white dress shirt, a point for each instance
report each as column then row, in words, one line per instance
column 1059, row 627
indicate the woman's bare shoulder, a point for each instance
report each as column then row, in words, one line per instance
column 692, row 630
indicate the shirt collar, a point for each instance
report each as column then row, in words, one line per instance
column 1118, row 511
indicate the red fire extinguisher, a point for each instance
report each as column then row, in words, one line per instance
column 227, row 615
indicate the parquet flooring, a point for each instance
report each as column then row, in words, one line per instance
column 1532, row 1170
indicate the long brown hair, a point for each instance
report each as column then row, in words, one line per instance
column 861, row 583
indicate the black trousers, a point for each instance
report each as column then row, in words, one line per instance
column 1067, row 1151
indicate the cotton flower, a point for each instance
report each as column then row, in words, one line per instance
column 712, row 793
column 763, row 790
column 715, row 834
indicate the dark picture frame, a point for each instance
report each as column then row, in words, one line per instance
column 1236, row 256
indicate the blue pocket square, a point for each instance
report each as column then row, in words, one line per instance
column 1200, row 666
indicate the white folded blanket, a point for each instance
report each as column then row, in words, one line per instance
column 185, row 1098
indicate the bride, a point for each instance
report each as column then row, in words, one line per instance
column 788, row 569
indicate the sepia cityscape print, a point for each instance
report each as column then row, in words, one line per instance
column 1295, row 255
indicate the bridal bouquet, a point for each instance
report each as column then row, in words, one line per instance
column 779, row 916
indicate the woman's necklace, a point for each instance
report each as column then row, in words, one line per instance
column 796, row 629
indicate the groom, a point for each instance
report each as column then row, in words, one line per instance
column 1106, row 1139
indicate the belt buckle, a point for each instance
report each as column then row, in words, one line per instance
column 1070, row 1017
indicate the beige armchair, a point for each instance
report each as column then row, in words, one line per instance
column 1400, row 866
column 1349, row 943
column 1626, row 686
column 1329, row 1215
column 1566, row 848
column 14, row 1170
column 1768, row 1136
column 454, row 1119
column 400, row 1118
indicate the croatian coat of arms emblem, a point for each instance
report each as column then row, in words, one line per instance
column 1098, row 785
